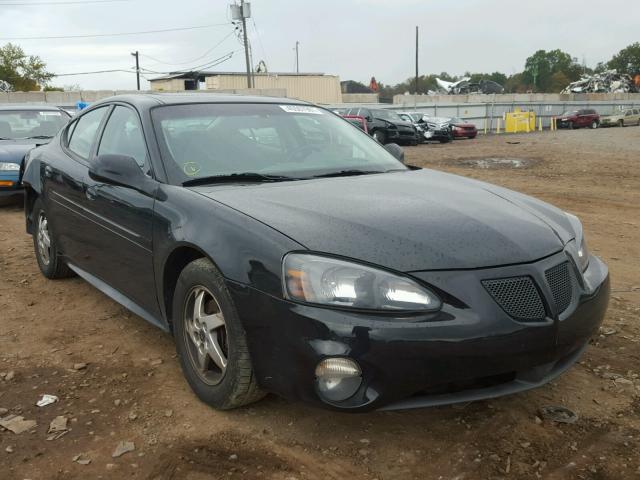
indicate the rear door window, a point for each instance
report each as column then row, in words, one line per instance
column 84, row 132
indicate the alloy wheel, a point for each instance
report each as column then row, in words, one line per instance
column 206, row 335
column 44, row 239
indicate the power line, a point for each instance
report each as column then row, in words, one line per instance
column 71, row 2
column 209, row 64
column 91, row 73
column 255, row 27
column 193, row 59
column 121, row 34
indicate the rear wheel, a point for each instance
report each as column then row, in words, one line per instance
column 380, row 136
column 210, row 339
column 51, row 264
column 621, row 123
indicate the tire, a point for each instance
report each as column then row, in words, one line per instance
column 218, row 367
column 380, row 136
column 49, row 260
column 594, row 125
column 570, row 125
column 621, row 123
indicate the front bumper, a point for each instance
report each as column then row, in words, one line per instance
column 470, row 350
column 565, row 123
column 11, row 193
column 408, row 136
column 465, row 133
column 438, row 135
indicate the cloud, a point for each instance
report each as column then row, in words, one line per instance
column 355, row 39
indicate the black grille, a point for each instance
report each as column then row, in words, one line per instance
column 560, row 282
column 518, row 296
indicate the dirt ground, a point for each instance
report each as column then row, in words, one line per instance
column 132, row 388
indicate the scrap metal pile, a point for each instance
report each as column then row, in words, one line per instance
column 465, row 87
column 609, row 81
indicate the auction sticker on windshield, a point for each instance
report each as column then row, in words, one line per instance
column 301, row 109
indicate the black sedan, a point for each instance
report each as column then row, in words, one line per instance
column 288, row 252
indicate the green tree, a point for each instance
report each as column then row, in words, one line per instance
column 627, row 60
column 24, row 73
column 542, row 65
column 559, row 81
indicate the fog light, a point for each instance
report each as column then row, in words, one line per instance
column 338, row 378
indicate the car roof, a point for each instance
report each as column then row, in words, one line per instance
column 149, row 100
column 29, row 107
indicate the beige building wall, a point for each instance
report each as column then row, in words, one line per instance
column 167, row 85
column 312, row 88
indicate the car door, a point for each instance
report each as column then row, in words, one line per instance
column 63, row 181
column 581, row 118
column 121, row 218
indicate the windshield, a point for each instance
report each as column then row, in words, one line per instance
column 569, row 113
column 204, row 140
column 457, row 120
column 387, row 115
column 21, row 124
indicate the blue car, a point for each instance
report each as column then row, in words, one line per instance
column 23, row 127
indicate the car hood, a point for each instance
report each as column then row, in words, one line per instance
column 407, row 221
column 397, row 123
column 13, row 151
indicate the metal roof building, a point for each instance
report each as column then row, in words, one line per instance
column 312, row 87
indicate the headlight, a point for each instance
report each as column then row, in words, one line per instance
column 328, row 281
column 582, row 255
column 9, row 167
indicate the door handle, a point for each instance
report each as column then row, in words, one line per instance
column 91, row 192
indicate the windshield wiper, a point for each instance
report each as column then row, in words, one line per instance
column 348, row 173
column 237, row 177
column 5, row 138
column 37, row 137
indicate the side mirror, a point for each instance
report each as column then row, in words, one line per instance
column 395, row 150
column 121, row 170
column 369, row 119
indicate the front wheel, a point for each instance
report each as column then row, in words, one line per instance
column 594, row 125
column 570, row 125
column 210, row 339
column 49, row 261
column 380, row 136
column 621, row 123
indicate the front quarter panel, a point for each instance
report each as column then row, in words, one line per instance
column 245, row 250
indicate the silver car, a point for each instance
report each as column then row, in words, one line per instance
column 630, row 116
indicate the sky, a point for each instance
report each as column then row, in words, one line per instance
column 355, row 39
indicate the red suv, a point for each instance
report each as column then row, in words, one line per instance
column 579, row 118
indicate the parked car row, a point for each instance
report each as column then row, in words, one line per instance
column 388, row 126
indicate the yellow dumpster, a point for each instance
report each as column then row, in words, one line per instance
column 519, row 121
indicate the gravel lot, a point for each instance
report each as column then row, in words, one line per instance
column 131, row 388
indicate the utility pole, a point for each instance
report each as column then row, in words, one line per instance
column 245, row 11
column 416, row 60
column 297, row 57
column 137, row 55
